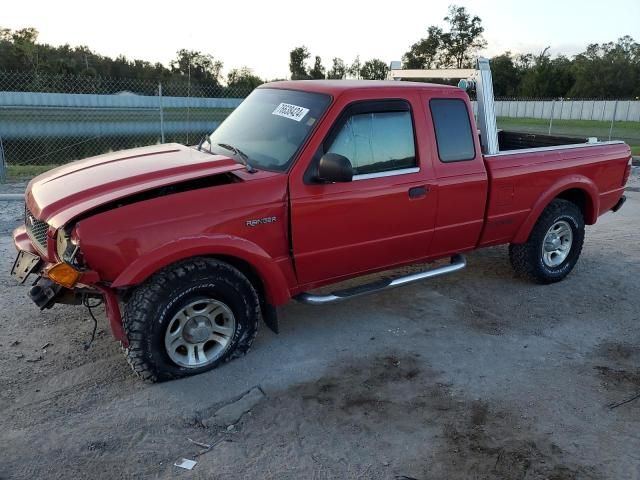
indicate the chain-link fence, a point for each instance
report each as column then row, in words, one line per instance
column 47, row 120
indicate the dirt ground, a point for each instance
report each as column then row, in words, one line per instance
column 479, row 375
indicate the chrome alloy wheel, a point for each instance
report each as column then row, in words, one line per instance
column 199, row 333
column 557, row 244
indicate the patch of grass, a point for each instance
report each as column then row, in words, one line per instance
column 26, row 172
column 627, row 131
column 575, row 124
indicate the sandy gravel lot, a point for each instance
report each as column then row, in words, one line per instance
column 479, row 375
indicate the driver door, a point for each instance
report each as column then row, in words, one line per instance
column 384, row 217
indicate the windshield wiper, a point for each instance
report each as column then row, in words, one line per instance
column 205, row 138
column 243, row 157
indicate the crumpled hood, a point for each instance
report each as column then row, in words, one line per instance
column 65, row 192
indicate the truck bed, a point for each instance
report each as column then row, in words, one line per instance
column 523, row 181
column 510, row 140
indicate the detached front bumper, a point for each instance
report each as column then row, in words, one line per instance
column 45, row 292
column 87, row 280
column 22, row 241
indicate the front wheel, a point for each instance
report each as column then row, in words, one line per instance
column 190, row 318
column 554, row 245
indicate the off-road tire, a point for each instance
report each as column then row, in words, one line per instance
column 153, row 304
column 526, row 258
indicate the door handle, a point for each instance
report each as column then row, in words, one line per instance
column 418, row 192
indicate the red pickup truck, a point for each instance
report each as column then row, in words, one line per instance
column 305, row 184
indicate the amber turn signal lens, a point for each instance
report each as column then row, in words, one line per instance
column 64, row 274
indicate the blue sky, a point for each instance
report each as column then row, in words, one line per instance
column 260, row 34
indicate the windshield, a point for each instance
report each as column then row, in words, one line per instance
column 269, row 126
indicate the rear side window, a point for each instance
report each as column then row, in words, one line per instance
column 376, row 142
column 453, row 129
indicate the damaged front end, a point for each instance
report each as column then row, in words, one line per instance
column 78, row 267
column 53, row 255
column 62, row 275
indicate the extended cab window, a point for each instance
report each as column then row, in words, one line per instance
column 376, row 141
column 453, row 129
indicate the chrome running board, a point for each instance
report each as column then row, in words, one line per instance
column 458, row 262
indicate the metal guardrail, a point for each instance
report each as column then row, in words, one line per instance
column 11, row 197
column 25, row 100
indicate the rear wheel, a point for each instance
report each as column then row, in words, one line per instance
column 190, row 318
column 554, row 245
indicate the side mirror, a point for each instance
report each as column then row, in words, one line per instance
column 335, row 168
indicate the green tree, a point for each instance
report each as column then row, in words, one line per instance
column 355, row 68
column 297, row 58
column 455, row 48
column 374, row 69
column 506, row 75
column 317, row 72
column 338, row 69
column 608, row 70
column 19, row 49
column 426, row 52
column 199, row 66
column 524, row 61
column 464, row 38
column 242, row 81
column 547, row 77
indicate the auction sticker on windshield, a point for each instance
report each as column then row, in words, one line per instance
column 293, row 112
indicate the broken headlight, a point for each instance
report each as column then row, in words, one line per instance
column 66, row 247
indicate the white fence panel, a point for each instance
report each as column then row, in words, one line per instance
column 587, row 108
column 601, row 110
column 634, row 112
column 623, row 110
column 528, row 109
column 609, row 108
column 574, row 111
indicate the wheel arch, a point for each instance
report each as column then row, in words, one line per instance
column 583, row 201
column 579, row 190
column 258, row 266
column 246, row 269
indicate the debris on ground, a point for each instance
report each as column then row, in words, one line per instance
column 206, row 447
column 229, row 415
column 624, row 402
column 200, row 444
column 186, row 463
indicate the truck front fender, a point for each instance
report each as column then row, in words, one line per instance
column 273, row 279
column 565, row 184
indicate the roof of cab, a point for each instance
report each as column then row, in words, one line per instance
column 334, row 87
